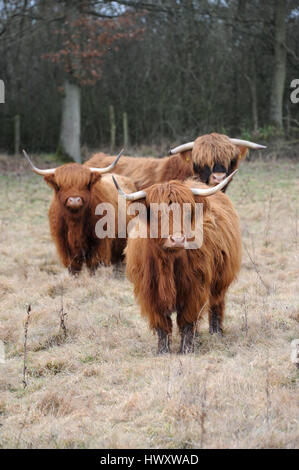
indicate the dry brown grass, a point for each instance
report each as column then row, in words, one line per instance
column 102, row 385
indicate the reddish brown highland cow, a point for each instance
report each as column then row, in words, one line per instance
column 77, row 192
column 169, row 278
column 210, row 159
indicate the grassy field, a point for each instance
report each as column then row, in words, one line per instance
column 103, row 385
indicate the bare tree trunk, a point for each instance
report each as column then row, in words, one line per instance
column 251, row 79
column 17, row 134
column 112, row 128
column 126, row 130
column 254, row 106
column 71, row 121
column 279, row 73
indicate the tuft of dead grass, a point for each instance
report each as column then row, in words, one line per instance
column 55, row 404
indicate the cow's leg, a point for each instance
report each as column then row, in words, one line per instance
column 187, row 329
column 216, row 315
column 187, row 338
column 163, row 341
column 92, row 264
column 164, row 336
column 75, row 265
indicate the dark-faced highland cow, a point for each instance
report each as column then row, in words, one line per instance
column 209, row 159
column 167, row 276
column 79, row 192
column 215, row 156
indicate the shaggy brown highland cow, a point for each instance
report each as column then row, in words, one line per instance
column 77, row 192
column 169, row 278
column 215, row 156
column 210, row 159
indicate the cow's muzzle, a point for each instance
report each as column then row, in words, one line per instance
column 175, row 241
column 216, row 178
column 74, row 203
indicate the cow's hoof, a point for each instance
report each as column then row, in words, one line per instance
column 163, row 350
column 216, row 329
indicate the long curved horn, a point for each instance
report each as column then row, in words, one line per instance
column 108, row 168
column 129, row 197
column 247, row 143
column 244, row 143
column 182, row 148
column 36, row 170
column 215, row 189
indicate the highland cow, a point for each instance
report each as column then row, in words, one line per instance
column 169, row 278
column 215, row 156
column 209, row 159
column 78, row 190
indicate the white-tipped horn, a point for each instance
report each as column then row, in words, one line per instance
column 215, row 189
column 108, row 168
column 129, row 197
column 182, row 148
column 36, row 170
column 247, row 143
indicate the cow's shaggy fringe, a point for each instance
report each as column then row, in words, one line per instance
column 215, row 148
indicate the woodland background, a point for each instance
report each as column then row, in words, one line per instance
column 100, row 74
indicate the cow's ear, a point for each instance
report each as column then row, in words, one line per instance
column 243, row 152
column 186, row 156
column 51, row 181
column 94, row 178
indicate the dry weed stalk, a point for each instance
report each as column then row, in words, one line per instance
column 62, row 315
column 257, row 270
column 25, row 345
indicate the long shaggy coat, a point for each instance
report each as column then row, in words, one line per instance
column 188, row 282
column 212, row 153
column 74, row 231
